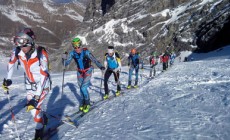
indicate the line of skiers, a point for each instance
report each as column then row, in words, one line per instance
column 166, row 59
column 34, row 61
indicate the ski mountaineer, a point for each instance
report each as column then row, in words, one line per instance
column 164, row 60
column 83, row 58
column 153, row 61
column 112, row 64
column 35, row 64
column 172, row 58
column 133, row 63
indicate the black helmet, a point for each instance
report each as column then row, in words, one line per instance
column 110, row 47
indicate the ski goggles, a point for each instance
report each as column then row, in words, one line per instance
column 76, row 44
column 110, row 51
column 21, row 42
column 76, row 47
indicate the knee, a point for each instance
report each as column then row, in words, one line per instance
column 38, row 120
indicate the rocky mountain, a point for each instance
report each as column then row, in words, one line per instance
column 147, row 25
column 52, row 21
column 157, row 25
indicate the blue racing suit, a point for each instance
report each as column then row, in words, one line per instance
column 133, row 62
column 84, row 70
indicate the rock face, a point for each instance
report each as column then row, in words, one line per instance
column 155, row 25
column 51, row 22
column 214, row 30
column 147, row 25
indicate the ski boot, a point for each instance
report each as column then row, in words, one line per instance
column 38, row 134
column 45, row 121
column 81, row 107
column 86, row 108
column 118, row 93
column 129, row 86
column 106, row 96
column 136, row 84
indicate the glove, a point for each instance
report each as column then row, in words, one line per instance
column 102, row 68
column 6, row 83
column 64, row 55
column 32, row 104
column 137, row 67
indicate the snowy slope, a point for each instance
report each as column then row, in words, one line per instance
column 189, row 101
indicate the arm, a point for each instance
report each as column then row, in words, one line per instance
column 44, row 71
column 105, row 62
column 10, row 67
column 92, row 58
column 140, row 61
column 129, row 59
column 118, row 60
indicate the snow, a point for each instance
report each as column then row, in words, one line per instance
column 165, row 12
column 214, row 5
column 190, row 100
column 46, row 29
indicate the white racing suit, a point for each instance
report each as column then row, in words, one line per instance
column 37, row 74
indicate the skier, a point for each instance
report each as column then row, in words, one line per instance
column 83, row 58
column 113, row 64
column 133, row 63
column 172, row 58
column 164, row 60
column 34, row 61
column 153, row 61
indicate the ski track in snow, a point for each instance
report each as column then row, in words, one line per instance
column 188, row 101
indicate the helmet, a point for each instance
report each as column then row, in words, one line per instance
column 76, row 42
column 154, row 53
column 24, row 38
column 29, row 32
column 133, row 51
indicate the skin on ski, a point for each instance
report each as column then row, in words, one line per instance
column 54, row 129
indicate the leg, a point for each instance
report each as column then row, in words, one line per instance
column 154, row 71
column 151, row 71
column 106, row 78
column 116, row 77
column 39, row 118
column 130, row 76
column 85, row 84
column 80, row 80
column 164, row 65
column 136, row 74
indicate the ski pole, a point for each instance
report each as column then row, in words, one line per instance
column 141, row 74
column 12, row 114
column 102, row 75
column 63, row 76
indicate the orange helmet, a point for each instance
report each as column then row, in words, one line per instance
column 133, row 51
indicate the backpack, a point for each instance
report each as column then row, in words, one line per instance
column 153, row 61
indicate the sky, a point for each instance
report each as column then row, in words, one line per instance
column 191, row 100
